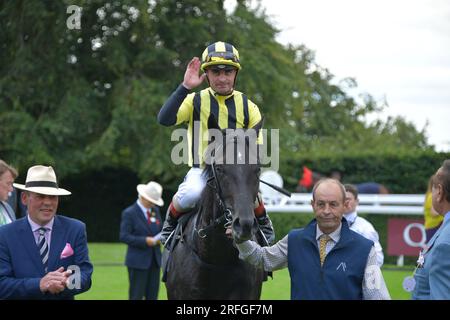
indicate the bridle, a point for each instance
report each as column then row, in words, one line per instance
column 227, row 214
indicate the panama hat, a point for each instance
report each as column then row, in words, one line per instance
column 42, row 179
column 151, row 191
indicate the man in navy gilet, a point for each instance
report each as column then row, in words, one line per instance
column 326, row 260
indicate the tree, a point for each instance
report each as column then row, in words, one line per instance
column 88, row 98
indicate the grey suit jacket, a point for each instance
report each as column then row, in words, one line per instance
column 433, row 280
column 8, row 209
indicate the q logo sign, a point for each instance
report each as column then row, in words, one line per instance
column 405, row 237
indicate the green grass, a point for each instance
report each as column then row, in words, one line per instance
column 110, row 277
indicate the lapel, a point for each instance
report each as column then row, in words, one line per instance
column 28, row 241
column 158, row 226
column 141, row 217
column 345, row 237
column 155, row 228
column 436, row 235
column 57, row 244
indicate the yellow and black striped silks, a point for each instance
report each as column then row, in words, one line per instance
column 231, row 112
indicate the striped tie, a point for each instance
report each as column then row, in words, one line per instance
column 43, row 247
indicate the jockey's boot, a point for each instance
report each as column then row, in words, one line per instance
column 265, row 224
column 169, row 226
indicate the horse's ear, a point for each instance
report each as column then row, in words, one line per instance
column 212, row 122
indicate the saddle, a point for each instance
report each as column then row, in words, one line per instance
column 173, row 240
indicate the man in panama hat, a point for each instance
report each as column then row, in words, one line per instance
column 139, row 229
column 43, row 255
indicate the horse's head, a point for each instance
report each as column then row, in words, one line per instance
column 235, row 167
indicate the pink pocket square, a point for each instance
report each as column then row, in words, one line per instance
column 67, row 252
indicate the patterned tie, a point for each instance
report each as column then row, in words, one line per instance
column 43, row 247
column 322, row 247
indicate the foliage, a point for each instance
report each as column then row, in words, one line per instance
column 399, row 172
column 87, row 99
column 99, row 196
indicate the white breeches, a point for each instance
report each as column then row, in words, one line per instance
column 190, row 190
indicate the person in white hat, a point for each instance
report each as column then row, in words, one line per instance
column 43, row 255
column 140, row 229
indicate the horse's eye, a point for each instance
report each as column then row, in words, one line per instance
column 219, row 169
column 257, row 171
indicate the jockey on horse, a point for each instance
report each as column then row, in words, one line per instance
column 230, row 108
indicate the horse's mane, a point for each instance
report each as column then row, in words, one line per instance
column 198, row 261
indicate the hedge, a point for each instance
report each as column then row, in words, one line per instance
column 399, row 173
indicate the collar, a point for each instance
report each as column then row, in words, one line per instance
column 35, row 226
column 447, row 216
column 335, row 235
column 350, row 217
column 144, row 209
column 219, row 96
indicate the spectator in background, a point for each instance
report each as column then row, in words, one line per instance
column 7, row 176
column 139, row 229
column 371, row 188
column 336, row 175
column 13, row 200
column 16, row 204
column 432, row 275
column 359, row 224
column 308, row 180
column 433, row 220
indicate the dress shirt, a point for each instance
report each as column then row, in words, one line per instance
column 144, row 209
column 366, row 229
column 35, row 228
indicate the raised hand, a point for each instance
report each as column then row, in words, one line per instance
column 192, row 78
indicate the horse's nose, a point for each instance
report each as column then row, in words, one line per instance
column 244, row 228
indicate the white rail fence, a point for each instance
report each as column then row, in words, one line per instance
column 400, row 204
